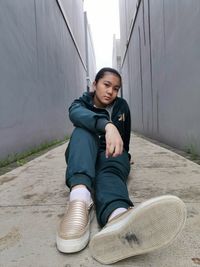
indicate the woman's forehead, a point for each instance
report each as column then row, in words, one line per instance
column 111, row 77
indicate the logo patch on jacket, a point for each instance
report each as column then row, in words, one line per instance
column 121, row 117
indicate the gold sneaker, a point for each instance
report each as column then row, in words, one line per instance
column 150, row 226
column 74, row 230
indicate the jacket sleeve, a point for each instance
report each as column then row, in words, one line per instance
column 85, row 118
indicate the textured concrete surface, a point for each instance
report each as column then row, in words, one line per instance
column 33, row 198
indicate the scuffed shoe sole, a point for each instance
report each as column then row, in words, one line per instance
column 150, row 226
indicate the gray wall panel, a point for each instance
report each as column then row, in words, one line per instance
column 90, row 55
column 40, row 73
column 125, row 82
column 162, row 64
column 76, row 21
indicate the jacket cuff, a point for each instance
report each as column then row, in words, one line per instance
column 101, row 124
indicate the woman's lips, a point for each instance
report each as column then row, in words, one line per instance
column 107, row 98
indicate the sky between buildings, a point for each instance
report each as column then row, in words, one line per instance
column 103, row 17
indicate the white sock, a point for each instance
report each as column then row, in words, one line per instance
column 116, row 212
column 82, row 194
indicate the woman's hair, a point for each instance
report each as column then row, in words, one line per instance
column 100, row 74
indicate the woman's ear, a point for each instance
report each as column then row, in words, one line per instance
column 94, row 86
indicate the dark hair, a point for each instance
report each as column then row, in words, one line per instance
column 100, row 74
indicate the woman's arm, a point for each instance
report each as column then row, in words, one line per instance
column 85, row 118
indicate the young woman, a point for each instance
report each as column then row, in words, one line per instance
column 98, row 162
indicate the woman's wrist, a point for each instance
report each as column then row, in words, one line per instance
column 109, row 125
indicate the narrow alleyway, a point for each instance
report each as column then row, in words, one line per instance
column 33, row 198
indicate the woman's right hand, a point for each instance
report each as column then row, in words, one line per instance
column 114, row 142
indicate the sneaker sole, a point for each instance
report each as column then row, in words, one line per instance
column 72, row 245
column 75, row 245
column 150, row 226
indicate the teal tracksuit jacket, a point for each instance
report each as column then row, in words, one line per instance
column 83, row 114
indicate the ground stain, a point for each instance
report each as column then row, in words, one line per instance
column 64, row 194
column 160, row 153
column 60, row 215
column 35, row 211
column 10, row 239
column 195, row 171
column 196, row 260
column 192, row 192
column 29, row 188
column 29, row 196
column 6, row 179
column 192, row 213
column 45, row 211
column 39, row 198
column 50, row 157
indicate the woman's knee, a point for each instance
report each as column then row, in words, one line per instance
column 83, row 135
column 82, row 142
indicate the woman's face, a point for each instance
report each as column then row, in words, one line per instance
column 106, row 90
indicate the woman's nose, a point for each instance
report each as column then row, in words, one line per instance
column 109, row 90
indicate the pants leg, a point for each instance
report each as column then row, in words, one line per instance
column 110, row 185
column 81, row 157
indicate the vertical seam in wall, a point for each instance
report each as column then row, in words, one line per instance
column 129, row 78
column 150, row 58
column 157, row 106
column 86, row 50
column 125, row 16
column 143, row 19
column 70, row 32
column 131, row 31
column 36, row 36
column 164, row 33
column 141, row 78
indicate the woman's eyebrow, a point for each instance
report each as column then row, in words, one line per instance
column 110, row 83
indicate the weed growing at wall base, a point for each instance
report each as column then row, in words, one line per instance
column 20, row 159
column 191, row 149
column 189, row 152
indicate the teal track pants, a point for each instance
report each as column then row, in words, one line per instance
column 106, row 178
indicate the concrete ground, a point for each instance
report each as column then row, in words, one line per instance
column 33, row 198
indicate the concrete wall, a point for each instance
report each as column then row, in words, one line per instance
column 116, row 56
column 42, row 69
column 90, row 55
column 160, row 67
